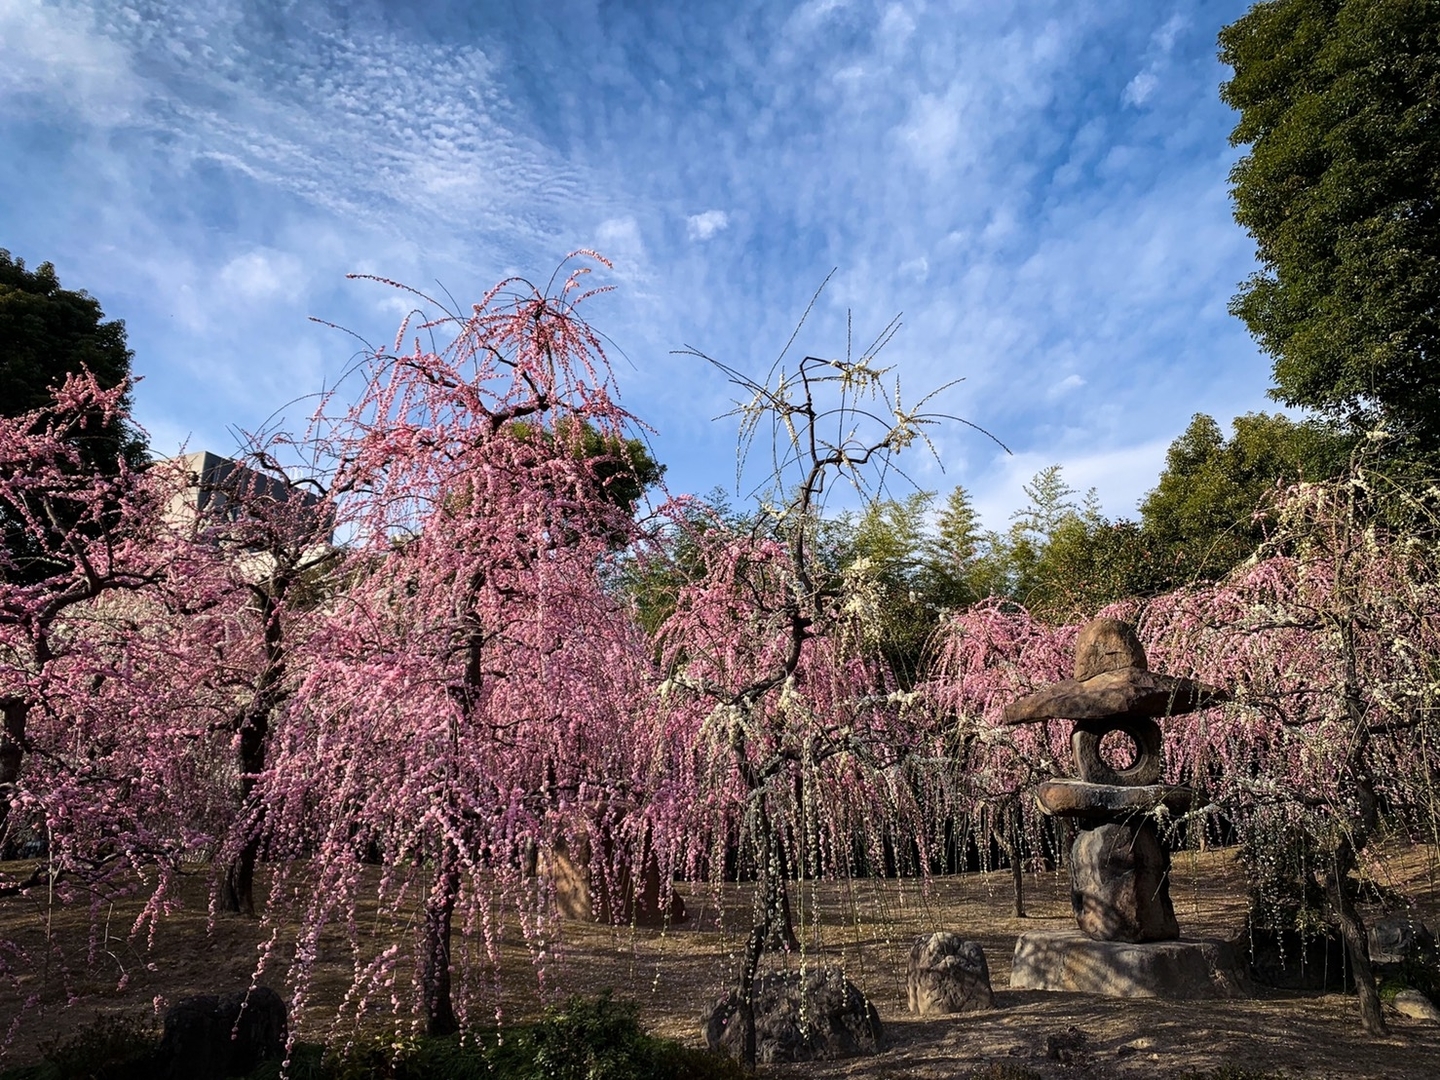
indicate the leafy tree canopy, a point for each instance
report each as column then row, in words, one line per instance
column 46, row 333
column 1200, row 519
column 1341, row 191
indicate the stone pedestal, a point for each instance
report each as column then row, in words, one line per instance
column 1120, row 883
column 1069, row 960
column 1119, row 866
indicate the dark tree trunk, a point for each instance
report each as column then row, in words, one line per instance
column 782, row 921
column 771, row 927
column 12, row 752
column 1356, row 945
column 435, row 946
column 770, row 901
column 1010, row 839
column 237, row 882
column 1354, row 836
column 754, row 947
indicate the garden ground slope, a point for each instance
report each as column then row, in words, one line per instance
column 867, row 927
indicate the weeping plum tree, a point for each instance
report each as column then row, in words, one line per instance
column 1334, row 642
column 83, row 521
column 985, row 657
column 775, row 680
column 250, row 566
column 474, row 692
column 90, row 769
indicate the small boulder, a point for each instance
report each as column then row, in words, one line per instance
column 1283, row 957
column 222, row 1036
column 1120, row 884
column 947, row 974
column 1417, row 1006
column 1392, row 939
column 1070, row 1047
column 818, row 1016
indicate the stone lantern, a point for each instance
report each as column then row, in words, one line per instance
column 1128, row 940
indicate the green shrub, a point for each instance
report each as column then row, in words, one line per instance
column 598, row 1039
column 115, row 1047
column 602, row 1040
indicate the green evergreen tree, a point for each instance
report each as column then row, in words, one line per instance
column 1341, row 191
column 46, row 334
column 1205, row 516
column 950, row 571
column 888, row 539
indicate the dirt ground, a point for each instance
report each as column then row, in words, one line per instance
column 866, row 927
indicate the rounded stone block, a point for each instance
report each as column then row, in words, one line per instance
column 1178, row 970
column 1109, row 802
column 947, row 974
column 1104, row 645
column 1120, row 884
column 1143, row 733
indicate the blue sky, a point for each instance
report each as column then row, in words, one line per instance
column 1039, row 187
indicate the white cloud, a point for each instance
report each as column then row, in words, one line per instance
column 1120, row 476
column 896, row 27
column 1164, row 38
column 1065, row 386
column 704, row 226
column 262, row 275
column 619, row 240
column 1162, row 43
column 1139, row 89
column 809, row 16
column 44, row 50
column 915, row 269
column 935, row 132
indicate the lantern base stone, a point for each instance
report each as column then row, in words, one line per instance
column 1177, row 970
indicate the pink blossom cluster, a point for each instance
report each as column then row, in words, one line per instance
column 427, row 713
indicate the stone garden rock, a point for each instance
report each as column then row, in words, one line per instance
column 1392, row 939
column 1120, row 884
column 1284, row 958
column 797, row 1018
column 947, row 974
column 1178, row 970
column 1417, row 1006
column 197, row 1040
